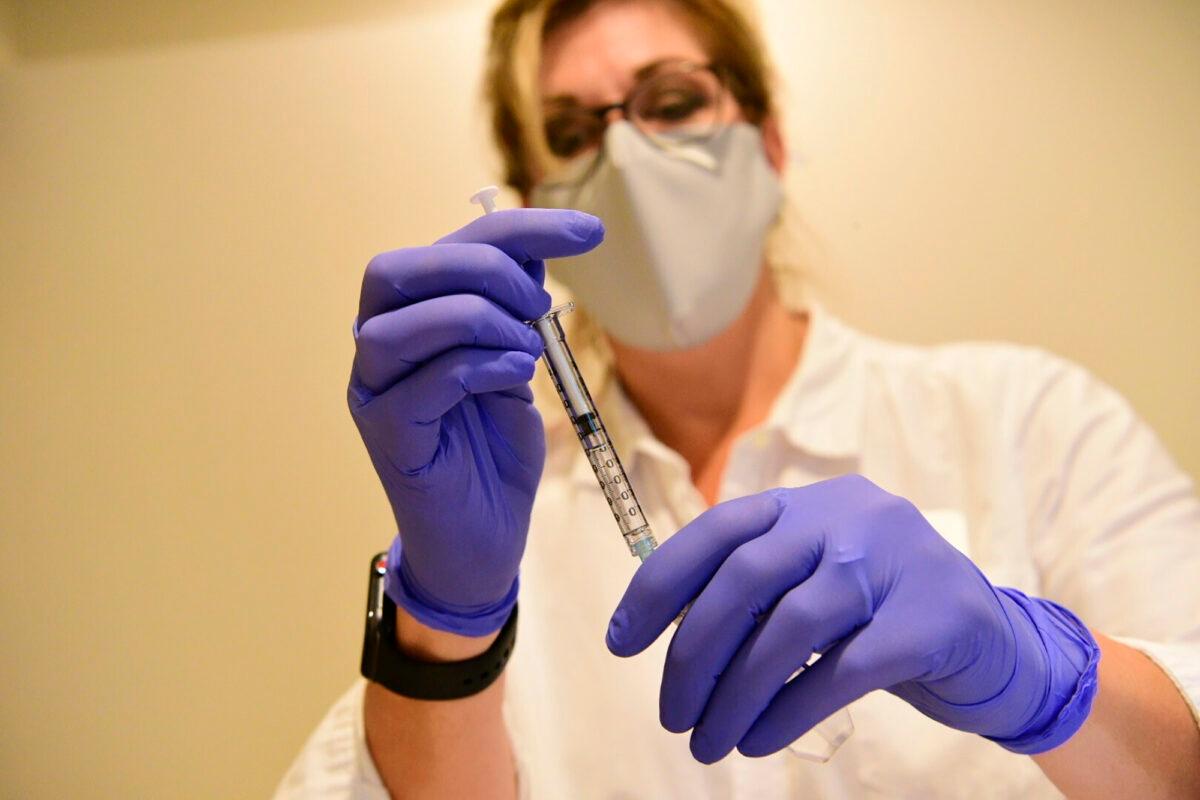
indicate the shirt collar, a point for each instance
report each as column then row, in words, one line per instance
column 819, row 410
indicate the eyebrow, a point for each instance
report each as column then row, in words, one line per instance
column 640, row 74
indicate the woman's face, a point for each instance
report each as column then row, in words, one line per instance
column 596, row 59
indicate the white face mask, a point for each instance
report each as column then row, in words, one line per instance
column 685, row 226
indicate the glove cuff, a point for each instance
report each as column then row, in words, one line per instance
column 1072, row 660
column 407, row 593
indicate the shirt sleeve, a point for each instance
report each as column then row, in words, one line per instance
column 335, row 763
column 1116, row 523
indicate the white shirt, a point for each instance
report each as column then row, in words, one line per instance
column 1042, row 475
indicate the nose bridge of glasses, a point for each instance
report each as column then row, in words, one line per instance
column 611, row 113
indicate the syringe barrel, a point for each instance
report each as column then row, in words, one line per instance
column 593, row 437
column 560, row 363
column 622, row 502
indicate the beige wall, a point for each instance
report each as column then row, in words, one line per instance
column 188, row 193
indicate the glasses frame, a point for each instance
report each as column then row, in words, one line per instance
column 645, row 78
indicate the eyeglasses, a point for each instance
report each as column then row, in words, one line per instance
column 676, row 100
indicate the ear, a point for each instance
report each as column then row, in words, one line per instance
column 773, row 145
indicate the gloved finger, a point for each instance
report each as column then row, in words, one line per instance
column 524, row 392
column 872, row 657
column 823, row 609
column 408, row 411
column 743, row 590
column 394, row 344
column 532, row 234
column 403, row 277
column 676, row 572
column 520, row 441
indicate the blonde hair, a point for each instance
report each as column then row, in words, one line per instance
column 729, row 33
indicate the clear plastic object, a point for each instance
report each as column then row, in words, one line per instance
column 593, row 436
column 822, row 741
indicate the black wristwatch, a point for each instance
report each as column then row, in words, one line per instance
column 385, row 663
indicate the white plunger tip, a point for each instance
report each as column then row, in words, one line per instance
column 486, row 197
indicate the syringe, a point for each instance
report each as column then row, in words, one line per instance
column 825, row 738
column 593, row 436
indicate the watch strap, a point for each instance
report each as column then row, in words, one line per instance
column 385, row 663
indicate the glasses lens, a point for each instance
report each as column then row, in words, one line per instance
column 678, row 103
column 572, row 130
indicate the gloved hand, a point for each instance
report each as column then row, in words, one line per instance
column 440, row 393
column 845, row 569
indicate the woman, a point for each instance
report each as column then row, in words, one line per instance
column 1043, row 487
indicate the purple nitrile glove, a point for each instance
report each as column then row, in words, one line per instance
column 440, row 393
column 845, row 569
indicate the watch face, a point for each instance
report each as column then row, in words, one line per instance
column 376, row 594
column 376, row 598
